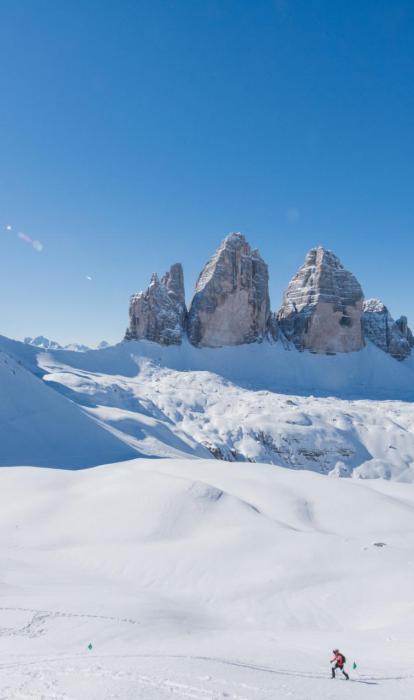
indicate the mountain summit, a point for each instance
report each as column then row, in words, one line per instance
column 231, row 303
column 323, row 309
column 322, row 306
column 393, row 337
column 159, row 313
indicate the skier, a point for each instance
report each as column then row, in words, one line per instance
column 339, row 661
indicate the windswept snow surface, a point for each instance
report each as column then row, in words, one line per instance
column 203, row 579
column 39, row 426
column 348, row 414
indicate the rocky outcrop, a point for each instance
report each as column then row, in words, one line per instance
column 231, row 302
column 159, row 313
column 273, row 327
column 393, row 337
column 322, row 306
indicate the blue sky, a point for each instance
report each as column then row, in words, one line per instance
column 135, row 134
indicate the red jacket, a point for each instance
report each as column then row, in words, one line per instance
column 339, row 658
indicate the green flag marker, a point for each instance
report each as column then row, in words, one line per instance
column 90, row 646
column 354, row 666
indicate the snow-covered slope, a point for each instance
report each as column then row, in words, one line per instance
column 197, row 578
column 203, row 579
column 256, row 402
column 38, row 426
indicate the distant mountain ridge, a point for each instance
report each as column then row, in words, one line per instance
column 46, row 344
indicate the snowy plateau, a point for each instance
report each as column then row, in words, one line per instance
column 206, row 523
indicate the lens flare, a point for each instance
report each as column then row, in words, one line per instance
column 36, row 245
column 33, row 242
column 24, row 237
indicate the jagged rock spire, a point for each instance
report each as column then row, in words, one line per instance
column 231, row 302
column 393, row 337
column 322, row 306
column 159, row 313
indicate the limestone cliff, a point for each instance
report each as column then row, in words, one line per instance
column 322, row 306
column 231, row 302
column 159, row 313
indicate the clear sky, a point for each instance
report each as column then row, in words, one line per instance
column 139, row 133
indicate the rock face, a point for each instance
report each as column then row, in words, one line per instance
column 159, row 313
column 322, row 306
column 231, row 302
column 273, row 327
column 393, row 337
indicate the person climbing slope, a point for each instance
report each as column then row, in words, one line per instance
column 339, row 661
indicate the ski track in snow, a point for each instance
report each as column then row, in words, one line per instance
column 42, row 678
column 41, row 616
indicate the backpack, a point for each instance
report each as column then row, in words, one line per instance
column 343, row 658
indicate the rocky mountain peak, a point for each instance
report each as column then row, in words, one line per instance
column 231, row 302
column 323, row 278
column 159, row 313
column 393, row 337
column 322, row 306
column 173, row 280
column 323, row 309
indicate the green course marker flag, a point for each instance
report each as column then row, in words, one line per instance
column 354, row 666
column 90, row 646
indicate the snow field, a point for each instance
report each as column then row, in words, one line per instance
column 164, row 412
column 258, row 403
column 203, row 579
